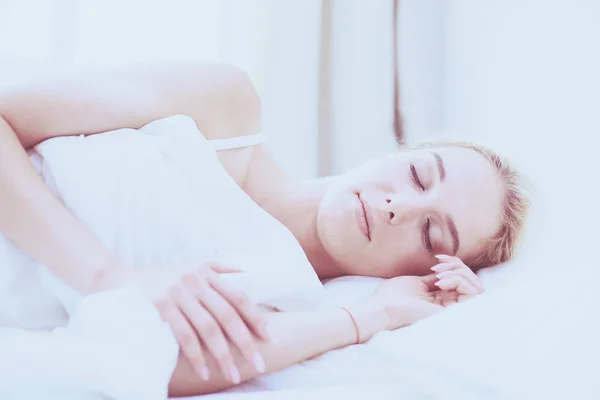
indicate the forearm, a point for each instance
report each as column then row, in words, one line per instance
column 40, row 225
column 221, row 99
column 299, row 336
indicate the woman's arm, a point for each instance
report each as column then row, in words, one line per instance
column 298, row 337
column 223, row 103
column 38, row 223
column 221, row 100
column 301, row 336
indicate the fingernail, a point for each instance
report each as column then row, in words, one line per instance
column 437, row 283
column 444, row 274
column 440, row 256
column 235, row 375
column 259, row 363
column 204, row 373
column 435, row 268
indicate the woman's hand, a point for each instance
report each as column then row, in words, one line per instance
column 408, row 299
column 405, row 300
column 456, row 281
column 203, row 312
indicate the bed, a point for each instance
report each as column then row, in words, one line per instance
column 533, row 334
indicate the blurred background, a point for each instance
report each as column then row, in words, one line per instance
column 522, row 76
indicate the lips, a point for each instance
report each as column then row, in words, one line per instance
column 363, row 218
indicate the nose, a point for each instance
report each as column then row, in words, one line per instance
column 401, row 208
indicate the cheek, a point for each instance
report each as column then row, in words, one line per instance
column 399, row 258
column 384, row 176
column 385, row 259
column 334, row 225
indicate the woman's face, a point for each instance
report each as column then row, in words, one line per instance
column 392, row 215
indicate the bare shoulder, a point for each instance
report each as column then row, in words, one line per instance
column 254, row 169
column 222, row 99
column 235, row 111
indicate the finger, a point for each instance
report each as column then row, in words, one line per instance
column 438, row 297
column 220, row 269
column 429, row 281
column 189, row 342
column 450, row 298
column 447, row 266
column 447, row 258
column 463, row 297
column 457, row 283
column 469, row 275
column 231, row 322
column 246, row 309
column 456, row 264
column 211, row 334
column 234, row 326
column 446, row 298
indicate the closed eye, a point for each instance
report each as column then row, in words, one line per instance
column 426, row 236
column 415, row 177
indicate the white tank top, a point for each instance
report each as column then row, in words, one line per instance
column 237, row 142
column 157, row 196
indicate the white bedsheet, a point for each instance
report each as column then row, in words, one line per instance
column 510, row 343
column 346, row 391
column 516, row 341
column 530, row 336
column 102, row 353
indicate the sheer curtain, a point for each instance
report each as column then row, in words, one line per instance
column 323, row 67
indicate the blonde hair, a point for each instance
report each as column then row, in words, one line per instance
column 502, row 246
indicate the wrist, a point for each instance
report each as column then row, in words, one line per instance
column 369, row 319
column 110, row 276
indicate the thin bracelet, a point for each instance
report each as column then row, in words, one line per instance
column 353, row 323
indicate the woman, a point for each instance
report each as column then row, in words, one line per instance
column 393, row 217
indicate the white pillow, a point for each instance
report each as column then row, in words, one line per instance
column 528, row 334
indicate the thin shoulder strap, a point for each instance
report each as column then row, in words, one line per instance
column 238, row 142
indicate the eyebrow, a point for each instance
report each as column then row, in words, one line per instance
column 440, row 164
column 451, row 225
column 453, row 233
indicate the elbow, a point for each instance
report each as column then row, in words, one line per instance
column 5, row 126
column 16, row 121
column 7, row 131
column 3, row 108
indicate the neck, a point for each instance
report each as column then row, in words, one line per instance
column 296, row 205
